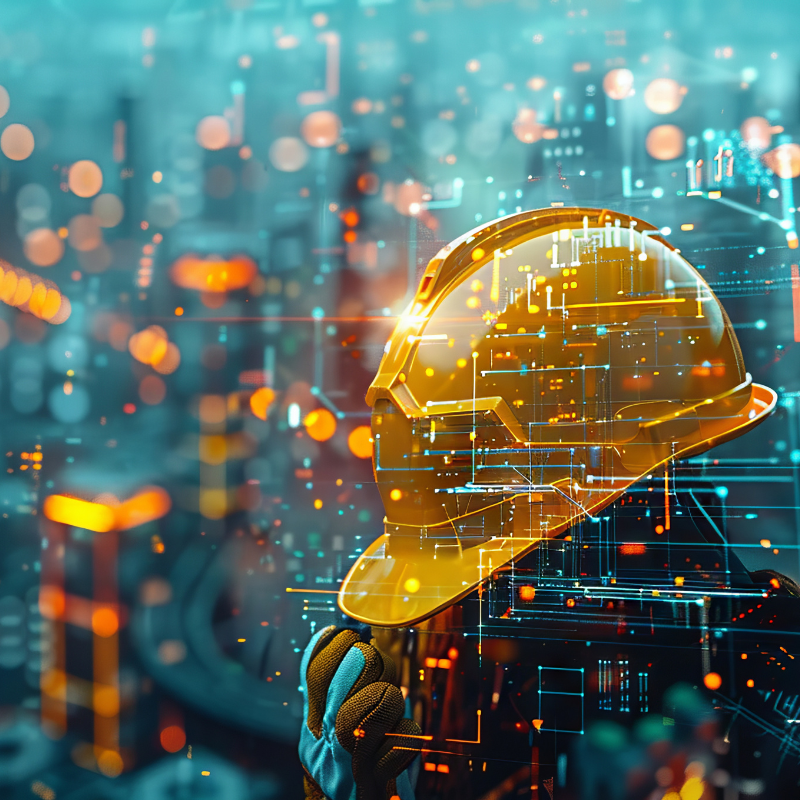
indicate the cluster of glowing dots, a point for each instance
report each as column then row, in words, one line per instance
column 213, row 274
column 152, row 347
column 33, row 294
column 144, row 276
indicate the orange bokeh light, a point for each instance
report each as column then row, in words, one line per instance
column 360, row 441
column 261, row 400
column 43, row 247
column 712, row 681
column 16, row 142
column 320, row 424
column 213, row 274
column 213, row 133
column 85, row 178
column 170, row 362
column 105, row 622
column 149, row 346
column 173, row 738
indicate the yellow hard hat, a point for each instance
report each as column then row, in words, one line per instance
column 549, row 360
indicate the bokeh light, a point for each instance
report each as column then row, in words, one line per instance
column 213, row 274
column 108, row 210
column 784, row 160
column 665, row 142
column 261, row 400
column 618, row 83
column 85, row 178
column 84, row 232
column 756, row 133
column 321, row 129
column 320, row 424
column 16, row 142
column 288, row 154
column 360, row 441
column 213, row 133
column 43, row 247
column 525, row 126
column 663, row 96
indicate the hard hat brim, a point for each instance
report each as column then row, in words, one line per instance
column 413, row 582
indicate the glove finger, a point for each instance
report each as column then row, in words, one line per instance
column 391, row 760
column 389, row 669
column 318, row 641
column 321, row 671
column 374, row 667
column 366, row 717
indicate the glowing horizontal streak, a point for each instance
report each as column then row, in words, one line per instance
column 311, row 591
column 146, row 506
column 80, row 513
column 630, row 303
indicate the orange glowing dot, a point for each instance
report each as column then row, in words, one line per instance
column 570, row 602
column 85, row 178
column 321, row 128
column 63, row 233
column 751, row 683
column 318, row 504
column 173, row 738
column 527, row 593
column 452, row 654
column 659, row 529
column 245, row 152
column 261, row 400
column 350, row 236
column 128, row 408
column 16, row 142
column 158, row 176
column 744, row 656
column 713, row 681
column 360, row 441
column 395, row 494
column 213, row 274
column 178, row 312
column 43, row 247
column 150, row 345
column 213, row 133
column 105, row 622
column 350, row 217
column 477, row 254
column 320, row 424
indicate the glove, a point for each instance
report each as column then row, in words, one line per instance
column 350, row 703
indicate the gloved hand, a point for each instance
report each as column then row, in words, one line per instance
column 350, row 704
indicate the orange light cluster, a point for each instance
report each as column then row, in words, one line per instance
column 351, row 219
column 149, row 504
column 213, row 274
column 152, row 346
column 144, row 275
column 30, row 293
